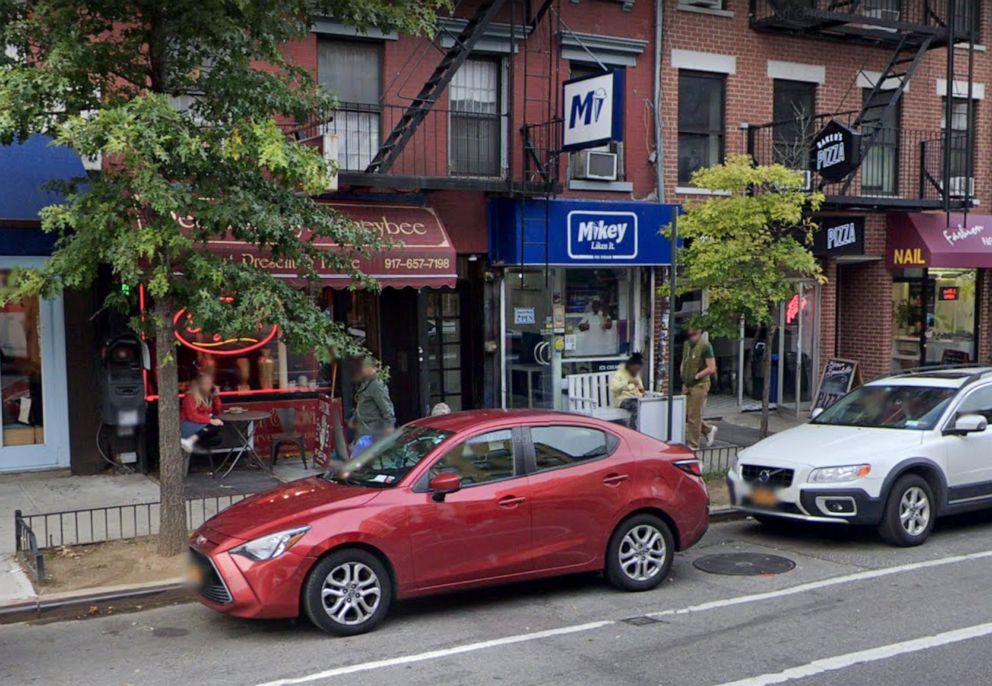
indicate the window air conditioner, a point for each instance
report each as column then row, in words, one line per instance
column 883, row 14
column 959, row 185
column 92, row 162
column 596, row 165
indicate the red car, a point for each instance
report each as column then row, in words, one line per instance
column 453, row 502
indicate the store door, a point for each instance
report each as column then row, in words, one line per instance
column 532, row 365
column 403, row 352
column 797, row 356
column 33, row 404
column 444, row 338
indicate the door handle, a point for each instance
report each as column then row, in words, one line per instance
column 614, row 479
column 510, row 502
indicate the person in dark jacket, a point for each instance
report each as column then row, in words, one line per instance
column 373, row 416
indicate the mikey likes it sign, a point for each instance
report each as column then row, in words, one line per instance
column 592, row 110
column 602, row 235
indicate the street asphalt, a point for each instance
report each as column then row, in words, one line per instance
column 852, row 612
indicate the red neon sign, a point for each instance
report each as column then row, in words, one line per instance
column 192, row 336
column 792, row 309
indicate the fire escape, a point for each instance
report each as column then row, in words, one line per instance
column 899, row 167
column 412, row 141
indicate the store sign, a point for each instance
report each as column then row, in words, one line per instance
column 836, row 151
column 602, row 235
column 949, row 293
column 839, row 236
column 192, row 336
column 592, row 110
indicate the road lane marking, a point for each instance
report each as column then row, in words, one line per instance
column 839, row 662
column 824, row 583
column 434, row 654
column 576, row 628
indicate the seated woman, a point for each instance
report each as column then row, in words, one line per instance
column 198, row 414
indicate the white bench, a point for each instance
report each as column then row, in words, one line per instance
column 589, row 394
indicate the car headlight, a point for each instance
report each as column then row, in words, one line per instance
column 834, row 474
column 273, row 545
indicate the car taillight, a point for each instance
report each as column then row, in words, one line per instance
column 693, row 467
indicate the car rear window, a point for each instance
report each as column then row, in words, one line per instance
column 561, row 445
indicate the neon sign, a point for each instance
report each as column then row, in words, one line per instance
column 189, row 334
column 792, row 309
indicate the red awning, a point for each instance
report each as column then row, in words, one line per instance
column 936, row 239
column 422, row 257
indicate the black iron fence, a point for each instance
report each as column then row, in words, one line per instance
column 48, row 530
column 718, row 459
column 26, row 545
column 896, row 162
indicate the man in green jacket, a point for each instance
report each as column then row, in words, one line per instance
column 374, row 415
column 698, row 365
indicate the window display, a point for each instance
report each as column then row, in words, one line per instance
column 20, row 372
column 933, row 317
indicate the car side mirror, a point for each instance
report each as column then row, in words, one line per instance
column 445, row 483
column 817, row 411
column 969, row 424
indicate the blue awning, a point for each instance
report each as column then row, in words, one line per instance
column 579, row 232
column 26, row 168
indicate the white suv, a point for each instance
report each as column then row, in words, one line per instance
column 895, row 453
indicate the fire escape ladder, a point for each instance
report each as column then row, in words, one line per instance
column 904, row 62
column 453, row 58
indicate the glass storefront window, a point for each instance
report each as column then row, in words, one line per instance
column 21, row 372
column 933, row 311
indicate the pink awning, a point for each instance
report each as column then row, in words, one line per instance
column 936, row 239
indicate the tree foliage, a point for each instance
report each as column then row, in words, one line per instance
column 747, row 243
column 184, row 99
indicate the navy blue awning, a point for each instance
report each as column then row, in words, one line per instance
column 26, row 168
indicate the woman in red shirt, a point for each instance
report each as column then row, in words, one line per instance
column 198, row 413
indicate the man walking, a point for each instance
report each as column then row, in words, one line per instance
column 373, row 416
column 698, row 365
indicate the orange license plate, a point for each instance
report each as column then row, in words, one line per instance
column 764, row 498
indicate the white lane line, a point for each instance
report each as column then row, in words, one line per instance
column 833, row 664
column 824, row 583
column 575, row 628
column 434, row 654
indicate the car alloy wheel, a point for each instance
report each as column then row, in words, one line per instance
column 914, row 511
column 348, row 592
column 642, row 552
column 351, row 593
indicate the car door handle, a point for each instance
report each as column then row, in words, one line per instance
column 614, row 479
column 509, row 502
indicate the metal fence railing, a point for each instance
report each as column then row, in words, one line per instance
column 112, row 523
column 718, row 459
column 26, row 545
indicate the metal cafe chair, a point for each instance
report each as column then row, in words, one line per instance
column 288, row 434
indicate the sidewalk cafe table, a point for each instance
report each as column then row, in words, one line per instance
column 243, row 424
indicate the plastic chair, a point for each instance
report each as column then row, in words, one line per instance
column 287, row 421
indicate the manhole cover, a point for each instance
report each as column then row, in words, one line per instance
column 643, row 620
column 743, row 564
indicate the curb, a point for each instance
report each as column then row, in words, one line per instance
column 93, row 603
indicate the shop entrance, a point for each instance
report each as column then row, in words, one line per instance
column 33, row 403
column 569, row 320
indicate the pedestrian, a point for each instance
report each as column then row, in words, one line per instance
column 626, row 388
column 698, row 366
column 373, row 416
column 199, row 421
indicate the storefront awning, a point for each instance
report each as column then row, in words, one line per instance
column 422, row 257
column 28, row 167
column 925, row 239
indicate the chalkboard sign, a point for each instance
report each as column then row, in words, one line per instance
column 836, row 381
column 954, row 357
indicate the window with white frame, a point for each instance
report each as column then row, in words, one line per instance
column 475, row 122
column 352, row 71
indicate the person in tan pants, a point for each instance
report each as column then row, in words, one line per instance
column 698, row 365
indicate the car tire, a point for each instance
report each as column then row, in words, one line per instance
column 348, row 592
column 909, row 512
column 640, row 553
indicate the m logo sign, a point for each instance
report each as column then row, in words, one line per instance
column 592, row 110
column 602, row 235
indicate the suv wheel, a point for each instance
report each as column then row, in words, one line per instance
column 348, row 592
column 909, row 512
column 640, row 553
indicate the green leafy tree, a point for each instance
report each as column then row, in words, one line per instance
column 746, row 245
column 182, row 100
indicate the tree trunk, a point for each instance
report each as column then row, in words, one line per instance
column 766, row 391
column 172, row 533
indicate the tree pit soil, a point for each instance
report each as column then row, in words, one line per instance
column 117, row 563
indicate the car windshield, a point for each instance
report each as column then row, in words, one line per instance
column 386, row 462
column 880, row 406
